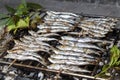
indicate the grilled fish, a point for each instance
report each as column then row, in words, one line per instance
column 72, row 53
column 63, row 13
column 69, row 62
column 69, row 57
column 87, row 39
column 81, row 45
column 67, row 68
column 76, row 49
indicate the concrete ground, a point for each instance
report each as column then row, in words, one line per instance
column 91, row 7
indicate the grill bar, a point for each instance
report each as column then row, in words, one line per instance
column 48, row 70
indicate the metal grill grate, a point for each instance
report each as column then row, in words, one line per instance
column 35, row 66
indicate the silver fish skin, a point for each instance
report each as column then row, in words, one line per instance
column 101, row 19
column 82, row 45
column 54, row 27
column 49, row 34
column 87, row 39
column 25, row 41
column 77, row 49
column 61, row 16
column 69, row 57
column 72, row 53
column 33, row 33
column 37, row 50
column 15, row 51
column 48, row 18
column 57, row 23
column 27, row 53
column 29, row 45
column 67, row 67
column 94, row 30
column 30, row 38
column 68, row 62
column 33, row 44
column 53, row 30
column 42, row 44
column 96, row 34
column 23, row 57
column 95, row 27
column 45, row 39
column 31, row 54
column 63, row 13
column 31, row 49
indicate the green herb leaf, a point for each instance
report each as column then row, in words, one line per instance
column 33, row 5
column 114, row 60
column 22, row 9
column 11, row 27
column 22, row 23
column 10, row 9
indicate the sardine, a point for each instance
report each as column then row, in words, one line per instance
column 72, row 53
column 33, row 33
column 87, row 39
column 63, row 13
column 12, row 51
column 27, row 53
column 69, row 57
column 57, row 23
column 31, row 49
column 102, row 32
column 42, row 35
column 31, row 38
column 33, row 44
column 45, row 39
column 67, row 68
column 48, row 18
column 52, row 30
column 101, row 19
column 96, row 34
column 24, row 57
column 61, row 16
column 95, row 27
column 21, row 57
column 54, row 27
column 68, row 62
column 81, row 45
column 77, row 49
column 49, row 34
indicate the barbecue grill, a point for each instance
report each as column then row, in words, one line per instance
column 91, row 8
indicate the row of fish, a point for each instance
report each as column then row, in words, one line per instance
column 31, row 47
column 58, row 22
column 75, row 52
column 67, row 22
column 97, row 27
column 70, row 52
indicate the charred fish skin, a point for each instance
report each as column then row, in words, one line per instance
column 67, row 67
